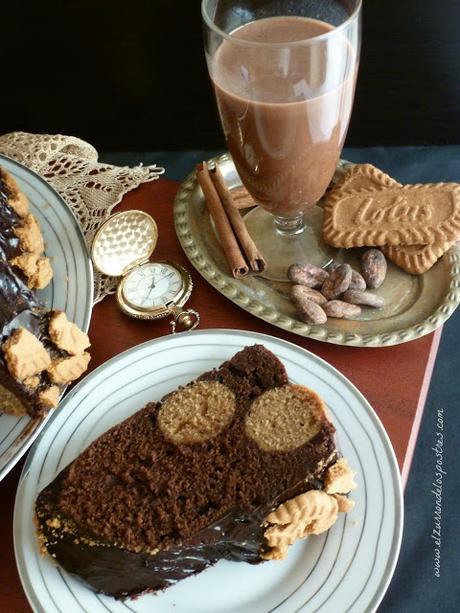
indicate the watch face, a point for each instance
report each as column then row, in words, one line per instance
column 152, row 285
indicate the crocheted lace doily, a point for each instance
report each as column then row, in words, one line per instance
column 91, row 189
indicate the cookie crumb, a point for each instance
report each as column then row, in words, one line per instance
column 16, row 198
column 313, row 512
column 67, row 335
column 49, row 397
column 36, row 268
column 345, row 504
column 65, row 370
column 30, row 236
column 339, row 478
column 32, row 382
column 10, row 403
column 25, row 355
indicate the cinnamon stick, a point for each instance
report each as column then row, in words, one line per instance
column 232, row 251
column 250, row 251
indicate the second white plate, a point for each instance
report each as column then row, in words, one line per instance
column 346, row 569
column 71, row 289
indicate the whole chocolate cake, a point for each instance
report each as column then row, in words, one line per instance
column 239, row 464
column 40, row 351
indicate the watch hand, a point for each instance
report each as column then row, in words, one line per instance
column 152, row 287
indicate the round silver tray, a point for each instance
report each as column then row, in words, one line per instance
column 415, row 305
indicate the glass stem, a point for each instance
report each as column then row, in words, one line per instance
column 289, row 226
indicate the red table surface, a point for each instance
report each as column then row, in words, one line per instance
column 395, row 380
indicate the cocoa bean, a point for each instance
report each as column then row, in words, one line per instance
column 311, row 313
column 307, row 274
column 337, row 282
column 357, row 281
column 342, row 310
column 302, row 292
column 374, row 267
column 354, row 296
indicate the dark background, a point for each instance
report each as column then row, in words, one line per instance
column 131, row 75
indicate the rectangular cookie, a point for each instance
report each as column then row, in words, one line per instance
column 416, row 258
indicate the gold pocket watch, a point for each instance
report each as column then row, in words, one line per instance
column 147, row 290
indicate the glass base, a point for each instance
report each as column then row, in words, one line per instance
column 283, row 248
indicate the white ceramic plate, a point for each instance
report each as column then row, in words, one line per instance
column 71, row 289
column 346, row 569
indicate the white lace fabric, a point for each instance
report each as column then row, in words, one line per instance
column 91, row 189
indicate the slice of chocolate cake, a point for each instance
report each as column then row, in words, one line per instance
column 237, row 465
column 40, row 351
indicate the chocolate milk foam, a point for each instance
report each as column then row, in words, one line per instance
column 285, row 109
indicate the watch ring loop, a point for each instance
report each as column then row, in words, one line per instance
column 188, row 318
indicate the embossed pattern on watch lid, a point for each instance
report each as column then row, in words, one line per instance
column 125, row 240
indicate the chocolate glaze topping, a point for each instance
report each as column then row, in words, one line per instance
column 238, row 536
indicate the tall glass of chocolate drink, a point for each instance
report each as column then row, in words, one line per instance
column 284, row 74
